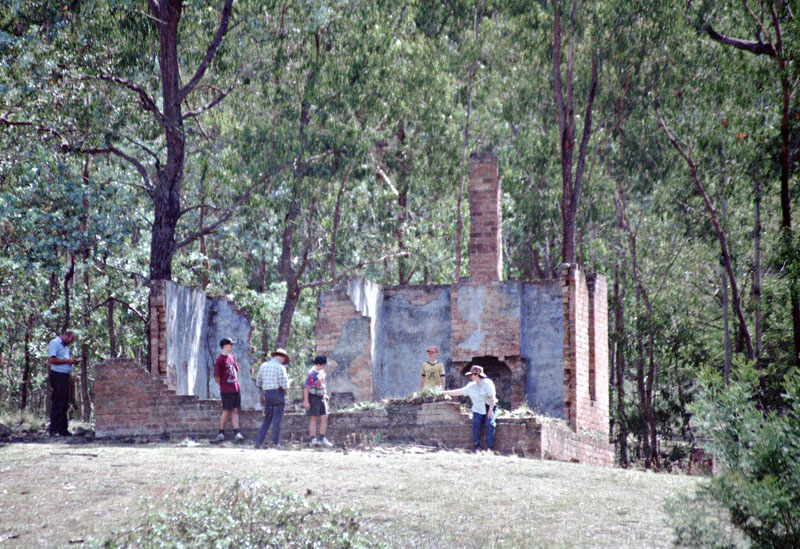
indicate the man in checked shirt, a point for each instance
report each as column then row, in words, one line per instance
column 273, row 381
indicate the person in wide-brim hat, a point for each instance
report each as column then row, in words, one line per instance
column 282, row 352
column 482, row 393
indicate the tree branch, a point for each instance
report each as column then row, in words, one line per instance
column 758, row 48
column 351, row 269
column 226, row 215
column 115, row 151
column 587, row 132
column 144, row 98
column 222, row 95
column 121, row 302
column 720, row 233
column 210, row 52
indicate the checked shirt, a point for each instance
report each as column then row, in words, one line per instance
column 272, row 375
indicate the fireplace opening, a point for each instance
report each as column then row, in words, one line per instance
column 499, row 372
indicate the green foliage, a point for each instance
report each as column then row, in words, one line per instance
column 248, row 514
column 759, row 454
column 702, row 522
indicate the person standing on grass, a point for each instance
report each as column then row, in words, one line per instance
column 315, row 401
column 432, row 371
column 226, row 372
column 482, row 393
column 273, row 382
column 60, row 369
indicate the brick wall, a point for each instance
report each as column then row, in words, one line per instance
column 585, row 350
column 131, row 402
column 334, row 311
column 158, row 327
column 486, row 219
column 598, row 354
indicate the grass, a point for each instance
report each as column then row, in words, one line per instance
column 57, row 494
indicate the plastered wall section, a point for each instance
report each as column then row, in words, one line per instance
column 585, row 351
column 541, row 341
column 414, row 318
column 185, row 328
column 485, row 319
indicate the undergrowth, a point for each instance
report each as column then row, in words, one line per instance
column 242, row 514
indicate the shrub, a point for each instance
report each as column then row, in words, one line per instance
column 759, row 456
column 699, row 520
column 243, row 514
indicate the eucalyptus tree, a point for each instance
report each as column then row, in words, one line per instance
column 775, row 31
column 109, row 83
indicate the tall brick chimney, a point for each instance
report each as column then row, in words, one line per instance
column 486, row 219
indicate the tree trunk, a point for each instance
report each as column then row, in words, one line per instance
column 726, row 332
column 86, row 405
column 67, row 283
column 112, row 336
column 619, row 365
column 565, row 113
column 757, row 271
column 287, row 313
column 26, row 369
column 203, row 251
column 652, row 376
column 403, row 155
column 775, row 48
column 402, row 215
column 786, row 206
column 167, row 193
column 640, row 387
column 721, row 237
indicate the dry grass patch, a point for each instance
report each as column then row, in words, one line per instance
column 54, row 494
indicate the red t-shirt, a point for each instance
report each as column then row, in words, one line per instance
column 225, row 368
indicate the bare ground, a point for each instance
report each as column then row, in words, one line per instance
column 55, row 494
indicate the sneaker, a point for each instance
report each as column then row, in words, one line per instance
column 238, row 437
column 314, row 441
column 220, row 437
column 326, row 443
column 278, row 446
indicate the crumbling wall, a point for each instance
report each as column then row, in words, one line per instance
column 132, row 402
column 223, row 319
column 585, row 350
column 414, row 318
column 541, row 341
column 186, row 326
column 348, row 321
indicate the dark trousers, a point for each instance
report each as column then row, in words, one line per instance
column 479, row 420
column 60, row 403
column 274, row 404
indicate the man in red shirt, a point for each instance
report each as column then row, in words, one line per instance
column 226, row 372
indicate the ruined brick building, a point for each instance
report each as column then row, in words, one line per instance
column 544, row 343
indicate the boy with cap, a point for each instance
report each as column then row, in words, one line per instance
column 482, row 393
column 432, row 371
column 315, row 401
column 226, row 372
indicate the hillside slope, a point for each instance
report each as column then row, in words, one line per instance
column 55, row 494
